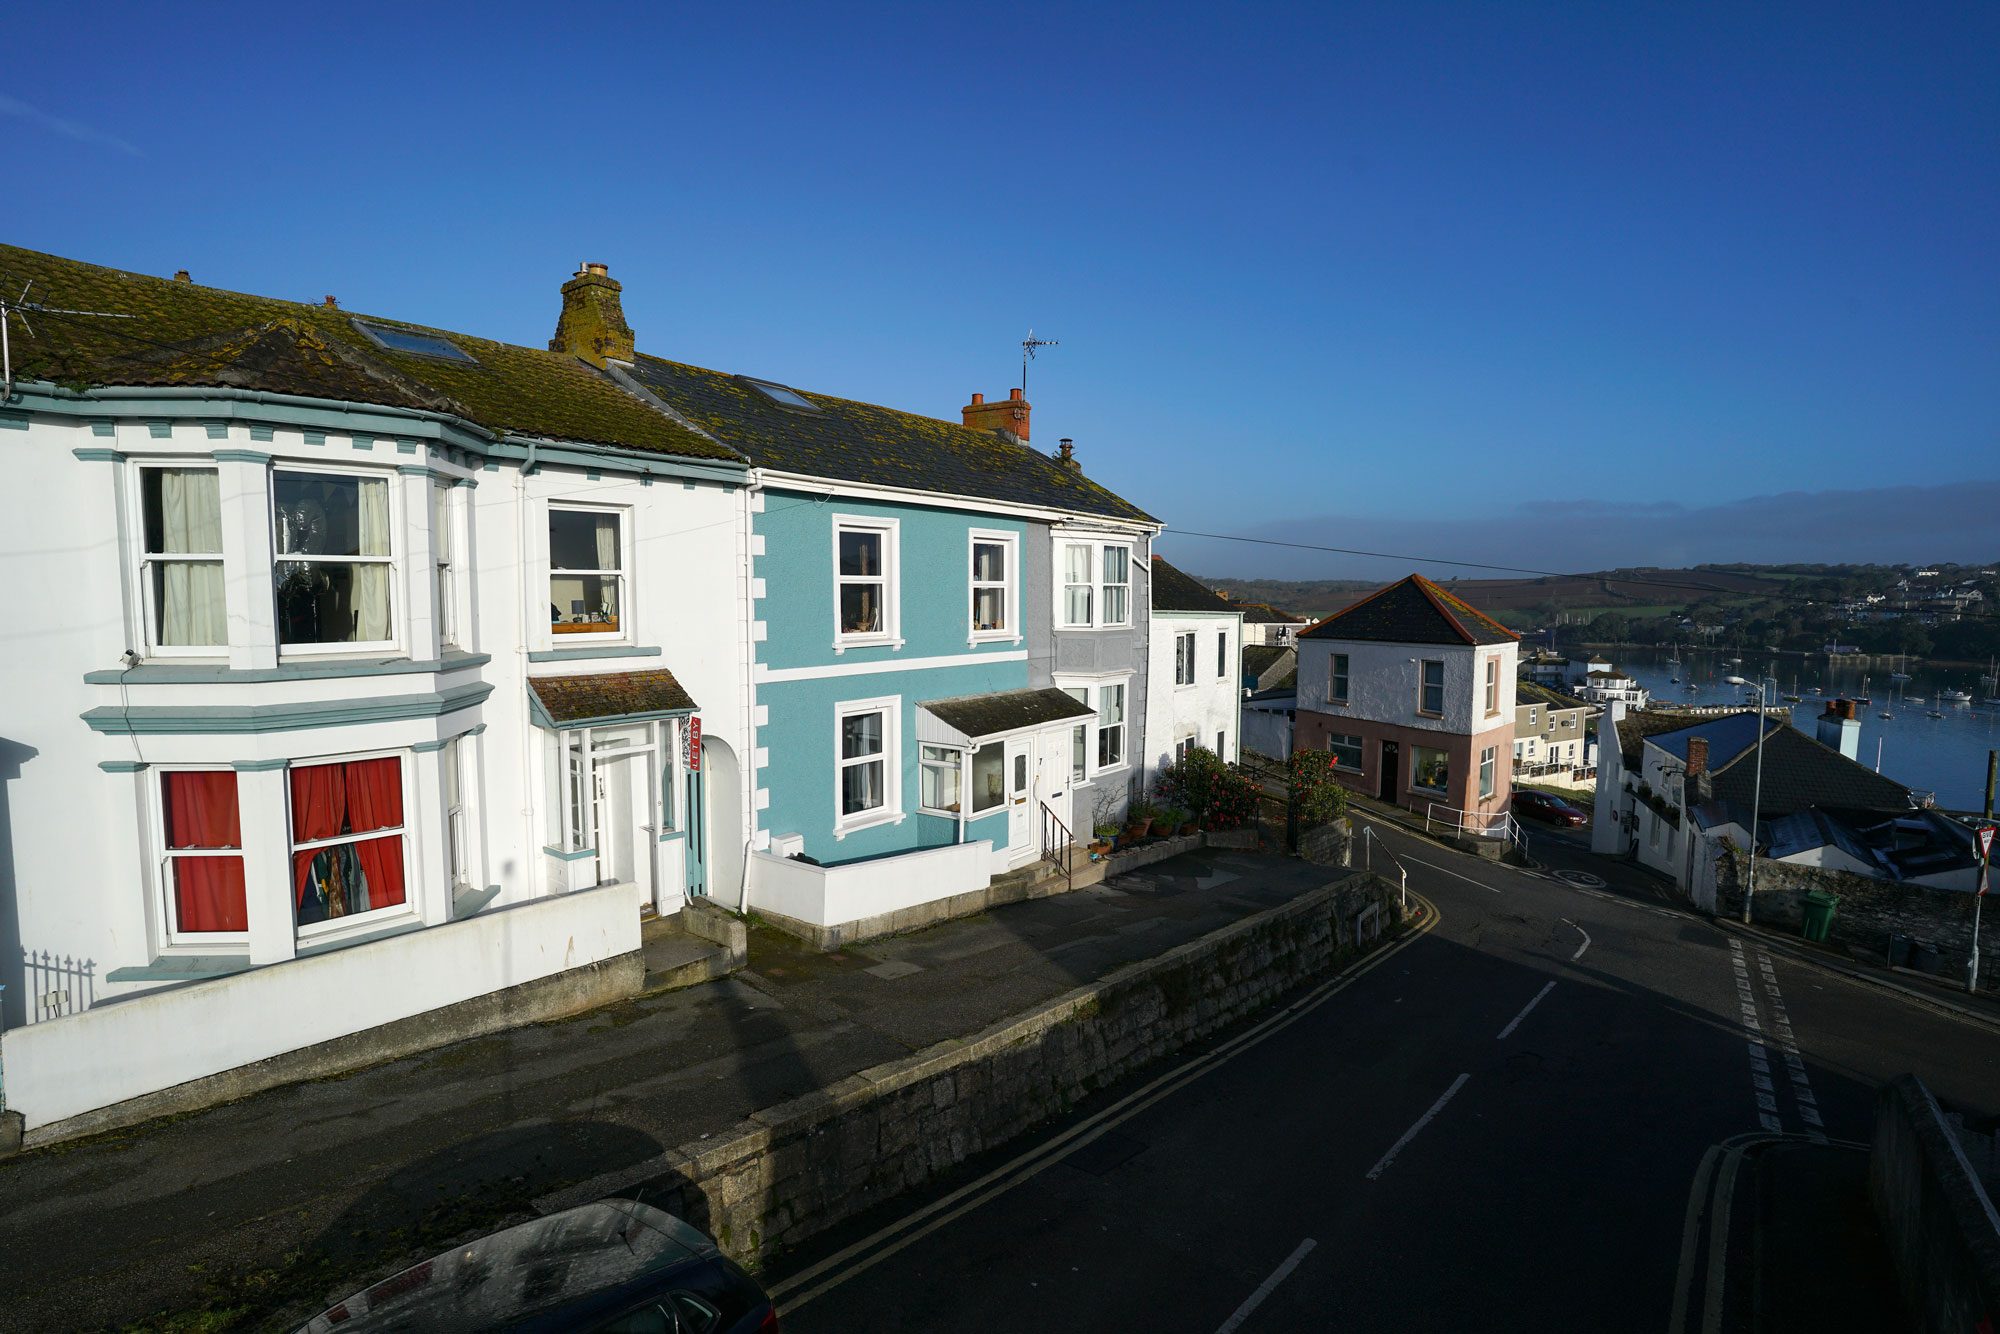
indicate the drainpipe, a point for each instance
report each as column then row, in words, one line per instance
column 531, row 768
column 964, row 789
column 745, row 796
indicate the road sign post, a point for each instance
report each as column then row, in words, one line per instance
column 1978, row 901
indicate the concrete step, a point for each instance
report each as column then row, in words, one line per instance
column 676, row 959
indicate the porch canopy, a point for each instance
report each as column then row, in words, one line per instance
column 968, row 720
column 560, row 703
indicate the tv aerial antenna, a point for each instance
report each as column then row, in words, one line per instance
column 1029, row 346
column 18, row 308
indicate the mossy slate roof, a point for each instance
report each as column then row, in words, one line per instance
column 580, row 699
column 848, row 441
column 1007, row 710
column 188, row 335
column 1412, row 611
column 1174, row 590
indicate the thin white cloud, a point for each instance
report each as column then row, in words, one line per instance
column 69, row 129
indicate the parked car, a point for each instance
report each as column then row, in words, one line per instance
column 614, row 1266
column 1531, row 805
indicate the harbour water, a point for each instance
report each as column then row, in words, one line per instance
column 1943, row 755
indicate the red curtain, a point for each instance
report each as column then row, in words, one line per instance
column 201, row 812
column 333, row 799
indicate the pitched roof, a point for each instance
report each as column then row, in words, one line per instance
column 1263, row 613
column 1533, row 692
column 1412, row 611
column 1635, row 727
column 586, row 698
column 1257, row 658
column 184, row 334
column 850, row 441
column 1176, row 591
column 1801, row 773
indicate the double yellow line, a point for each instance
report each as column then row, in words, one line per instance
column 798, row 1289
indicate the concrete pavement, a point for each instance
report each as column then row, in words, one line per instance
column 1499, row 1127
column 297, row 1196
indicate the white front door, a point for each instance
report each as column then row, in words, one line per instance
column 626, row 833
column 1052, row 779
column 1023, row 835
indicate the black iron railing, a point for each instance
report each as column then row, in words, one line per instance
column 1058, row 848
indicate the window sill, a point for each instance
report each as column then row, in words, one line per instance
column 594, row 650
column 992, row 637
column 182, row 968
column 843, row 643
column 574, row 855
column 359, row 934
column 842, row 830
column 1425, row 713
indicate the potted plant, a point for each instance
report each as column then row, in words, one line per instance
column 1138, row 819
column 1189, row 824
column 1105, row 838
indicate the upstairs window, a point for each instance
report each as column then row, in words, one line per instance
column 586, row 572
column 1492, row 686
column 1096, row 585
column 992, row 580
column 334, row 558
column 1184, row 659
column 1221, row 653
column 441, row 555
column 1337, row 687
column 864, row 583
column 1430, row 694
column 181, row 564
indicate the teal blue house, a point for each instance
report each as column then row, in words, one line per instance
column 948, row 634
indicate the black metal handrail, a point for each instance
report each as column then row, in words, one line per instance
column 1058, row 848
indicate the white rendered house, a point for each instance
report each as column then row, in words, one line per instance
column 376, row 672
column 1195, row 668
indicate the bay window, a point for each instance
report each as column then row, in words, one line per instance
column 441, row 553
column 1110, row 726
column 203, row 854
column 1079, row 749
column 864, row 579
column 347, row 838
column 333, row 566
column 181, row 558
column 458, row 833
column 586, row 572
column 1096, row 584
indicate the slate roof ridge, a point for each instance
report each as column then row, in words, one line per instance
column 1443, row 607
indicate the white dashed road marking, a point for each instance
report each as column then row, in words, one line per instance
column 1422, row 1121
column 1763, row 1084
column 1270, row 1285
column 1515, row 1022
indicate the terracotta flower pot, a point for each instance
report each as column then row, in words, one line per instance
column 1191, row 827
column 1139, row 828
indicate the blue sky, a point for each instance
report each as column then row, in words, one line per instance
column 1474, row 281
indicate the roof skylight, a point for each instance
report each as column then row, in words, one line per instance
column 777, row 393
column 412, row 341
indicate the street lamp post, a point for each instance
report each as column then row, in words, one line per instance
column 1757, row 786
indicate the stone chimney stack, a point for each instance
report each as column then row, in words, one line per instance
column 592, row 324
column 1009, row 418
column 1697, row 757
column 1840, row 727
column 1066, row 454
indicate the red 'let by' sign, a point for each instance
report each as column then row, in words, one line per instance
column 694, row 745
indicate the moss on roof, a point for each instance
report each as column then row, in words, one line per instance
column 851, row 441
column 1413, row 611
column 185, row 334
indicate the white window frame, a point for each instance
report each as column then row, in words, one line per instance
column 948, row 757
column 1097, row 584
column 336, row 928
column 457, row 816
column 890, row 531
column 1337, row 678
column 891, row 809
column 1184, row 651
column 444, row 552
column 1423, row 685
column 1087, row 690
column 1183, row 746
column 1009, row 586
column 1492, row 687
column 149, row 629
column 626, row 607
column 399, row 611
column 1489, row 765
column 1222, row 655
column 163, row 858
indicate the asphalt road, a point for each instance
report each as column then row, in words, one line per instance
column 1497, row 1126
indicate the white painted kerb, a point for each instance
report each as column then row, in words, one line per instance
column 157, row 1039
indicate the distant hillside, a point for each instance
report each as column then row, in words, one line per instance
column 1524, row 602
